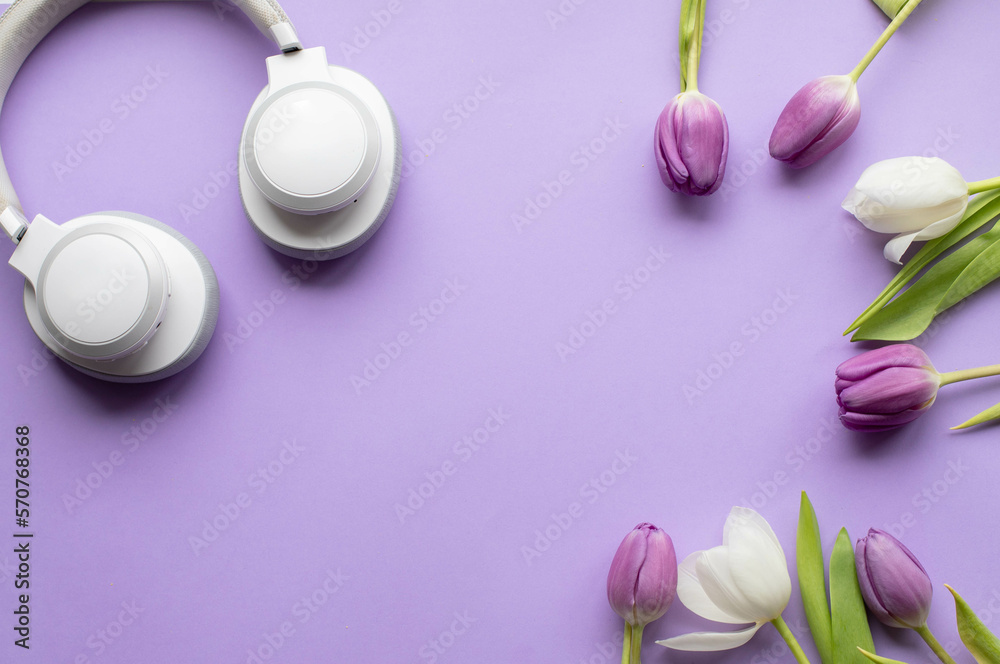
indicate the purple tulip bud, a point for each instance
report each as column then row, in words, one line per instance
column 643, row 577
column 821, row 116
column 885, row 388
column 893, row 582
column 692, row 144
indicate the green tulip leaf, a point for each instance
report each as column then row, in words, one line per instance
column 812, row 580
column 983, row 269
column 911, row 313
column 982, row 209
column 988, row 415
column 890, row 7
column 981, row 642
column 879, row 660
column 849, row 617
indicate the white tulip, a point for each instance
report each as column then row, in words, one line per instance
column 743, row 581
column 919, row 198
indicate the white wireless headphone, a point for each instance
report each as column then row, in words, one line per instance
column 124, row 298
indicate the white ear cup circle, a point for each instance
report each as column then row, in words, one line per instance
column 102, row 291
column 328, row 235
column 313, row 148
column 186, row 325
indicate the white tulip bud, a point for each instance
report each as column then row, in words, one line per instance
column 919, row 198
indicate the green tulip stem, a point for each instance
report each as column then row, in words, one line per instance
column 983, row 185
column 789, row 638
column 627, row 644
column 896, row 22
column 969, row 374
column 925, row 634
column 692, row 29
column 636, row 646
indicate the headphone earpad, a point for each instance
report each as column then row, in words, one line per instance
column 334, row 234
column 196, row 293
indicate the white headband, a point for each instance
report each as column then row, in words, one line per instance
column 25, row 24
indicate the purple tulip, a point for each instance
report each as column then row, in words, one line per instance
column 885, row 388
column 821, row 116
column 643, row 577
column 691, row 141
column 893, row 582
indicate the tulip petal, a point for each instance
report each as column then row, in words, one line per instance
column 939, row 228
column 897, row 246
column 705, row 147
column 624, row 571
column 691, row 144
column 694, row 597
column 715, row 572
column 908, row 194
column 711, row 641
column 818, row 118
column 835, row 134
column 896, row 583
column 873, row 422
column 758, row 565
column 744, row 517
column 871, row 362
column 867, row 588
column 673, row 169
column 810, row 110
column 890, row 391
column 656, row 584
column 855, row 202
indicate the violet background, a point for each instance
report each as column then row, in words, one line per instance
column 767, row 231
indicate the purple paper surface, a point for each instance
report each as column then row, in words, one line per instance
column 583, row 349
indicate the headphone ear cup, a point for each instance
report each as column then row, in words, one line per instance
column 330, row 235
column 189, row 321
